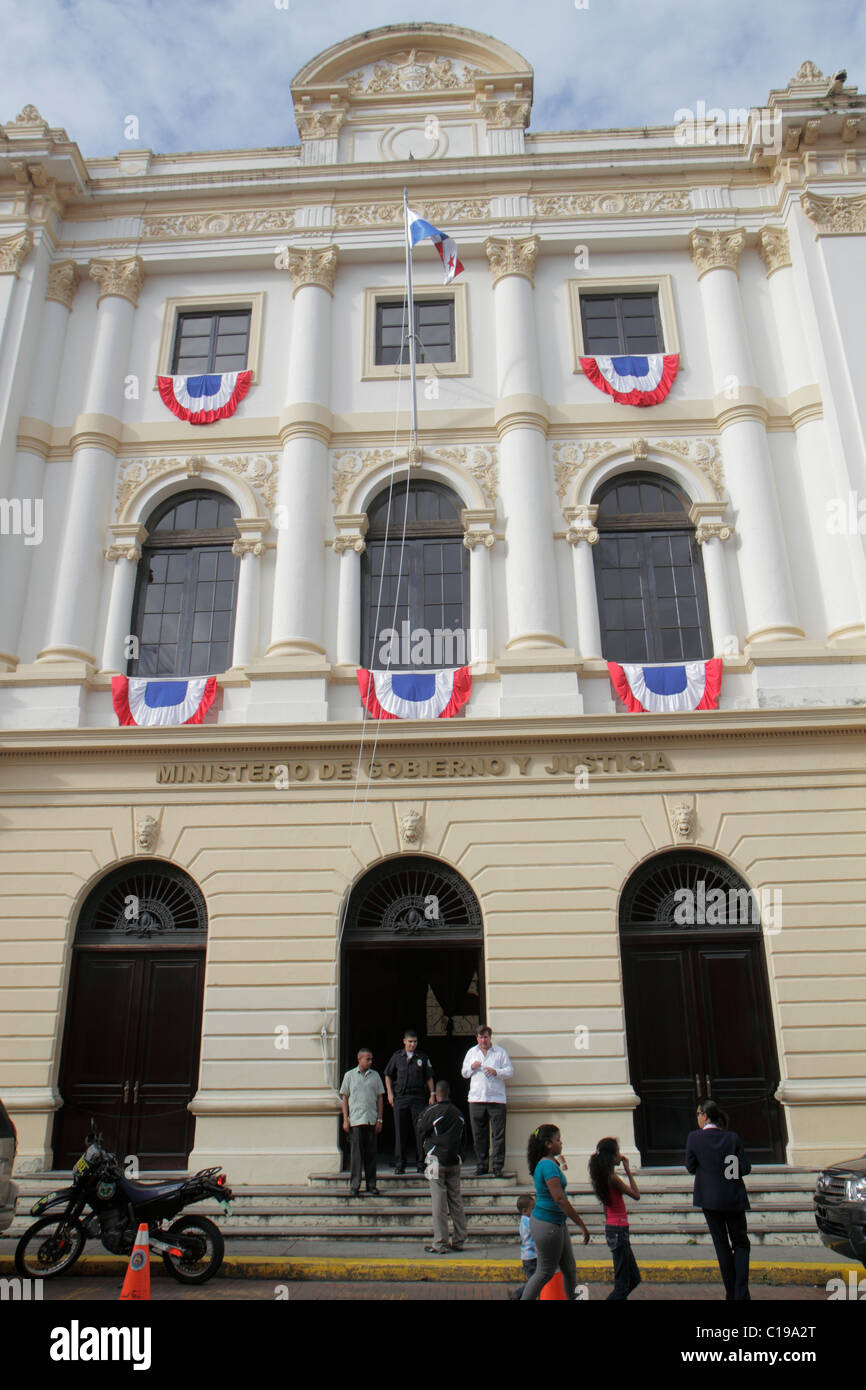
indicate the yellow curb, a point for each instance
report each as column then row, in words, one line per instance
column 451, row 1270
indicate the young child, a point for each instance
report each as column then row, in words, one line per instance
column 528, row 1252
column 609, row 1190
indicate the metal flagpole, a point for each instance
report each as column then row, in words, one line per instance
column 413, row 449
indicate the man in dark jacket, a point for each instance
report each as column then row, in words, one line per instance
column 440, row 1130
column 409, row 1083
column 718, row 1160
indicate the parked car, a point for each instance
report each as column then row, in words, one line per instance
column 8, row 1188
column 840, row 1207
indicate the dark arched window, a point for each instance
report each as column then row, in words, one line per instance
column 184, row 609
column 415, row 583
column 652, row 598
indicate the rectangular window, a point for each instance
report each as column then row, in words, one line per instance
column 434, row 329
column 211, row 342
column 620, row 324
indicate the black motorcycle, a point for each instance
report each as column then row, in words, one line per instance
column 192, row 1248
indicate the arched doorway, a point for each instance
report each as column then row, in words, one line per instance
column 412, row 958
column 132, row 1036
column 697, row 1006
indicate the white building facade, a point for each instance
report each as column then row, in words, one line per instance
column 261, row 548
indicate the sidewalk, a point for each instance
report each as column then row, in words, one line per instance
column 406, row 1262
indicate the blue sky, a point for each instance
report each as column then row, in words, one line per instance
column 214, row 74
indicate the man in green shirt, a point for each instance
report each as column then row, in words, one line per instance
column 361, row 1100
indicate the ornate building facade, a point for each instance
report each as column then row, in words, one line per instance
column 283, row 855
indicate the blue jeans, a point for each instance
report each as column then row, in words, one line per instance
column 626, row 1275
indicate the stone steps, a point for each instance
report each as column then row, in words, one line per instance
column 322, row 1210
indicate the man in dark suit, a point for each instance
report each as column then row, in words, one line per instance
column 718, row 1160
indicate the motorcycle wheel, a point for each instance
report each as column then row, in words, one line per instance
column 50, row 1247
column 195, row 1268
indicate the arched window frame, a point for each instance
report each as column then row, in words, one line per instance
column 417, row 546
column 645, row 528
column 194, row 544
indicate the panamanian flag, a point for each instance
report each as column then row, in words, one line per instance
column 633, row 380
column 419, row 230
column 415, row 694
column 148, row 703
column 202, row 399
column 668, row 689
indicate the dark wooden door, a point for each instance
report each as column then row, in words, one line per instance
column 698, row 1023
column 130, row 1054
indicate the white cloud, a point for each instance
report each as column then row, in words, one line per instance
column 214, row 74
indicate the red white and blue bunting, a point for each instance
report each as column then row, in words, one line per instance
column 415, row 694
column 633, row 380
column 668, row 689
column 202, row 399
column 147, row 703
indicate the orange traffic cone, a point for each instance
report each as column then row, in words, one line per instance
column 137, row 1281
column 555, row 1289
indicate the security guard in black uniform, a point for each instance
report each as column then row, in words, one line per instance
column 409, row 1083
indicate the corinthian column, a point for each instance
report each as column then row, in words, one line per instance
column 305, row 432
column 95, row 441
column 741, row 412
column 28, row 476
column 839, row 561
column 521, row 421
column 479, row 539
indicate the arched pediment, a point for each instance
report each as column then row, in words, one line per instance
column 401, row 59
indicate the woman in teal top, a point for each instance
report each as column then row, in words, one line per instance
column 548, row 1220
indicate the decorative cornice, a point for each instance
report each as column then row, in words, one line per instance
column 638, row 202
column 28, row 115
column 774, row 248
column 716, row 250
column 443, row 212
column 311, row 266
column 512, row 256
column 835, row 216
column 246, row 222
column 63, row 282
column 14, row 251
column 808, row 72
column 121, row 279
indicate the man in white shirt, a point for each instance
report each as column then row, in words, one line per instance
column 487, row 1068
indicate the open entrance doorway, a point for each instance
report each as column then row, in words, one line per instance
column 412, row 958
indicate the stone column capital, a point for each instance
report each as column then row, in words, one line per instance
column 252, row 531
column 716, row 250
column 709, row 522
column 835, row 214
column 14, row 251
column 352, row 528
column 512, row 256
column 126, row 543
column 581, row 524
column 63, row 282
column 774, row 248
column 473, row 538
column 310, row 265
column 121, row 279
